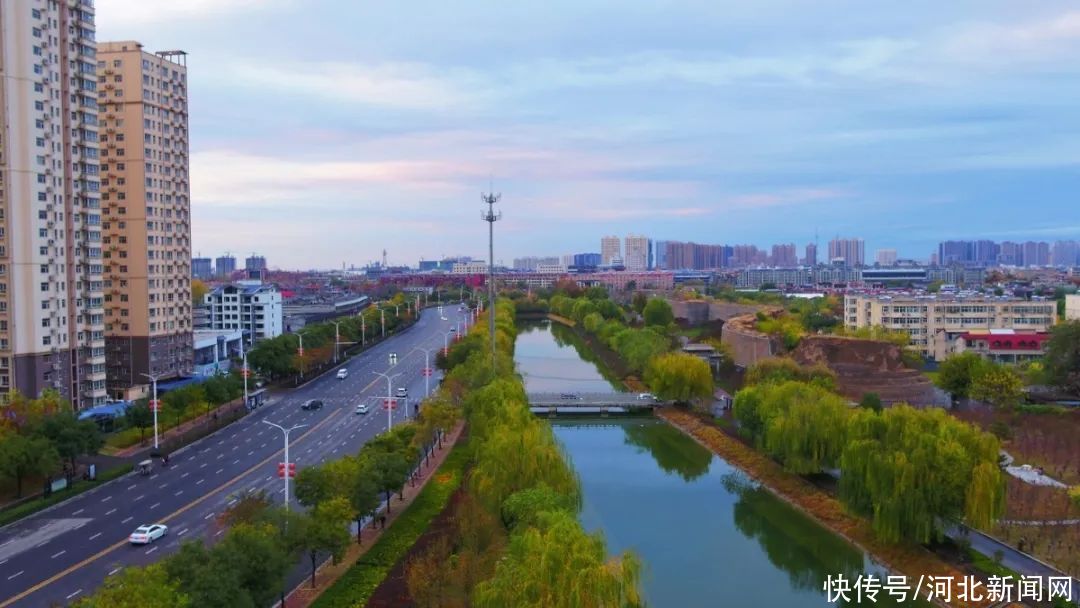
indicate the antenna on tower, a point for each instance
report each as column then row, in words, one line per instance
column 384, row 258
column 491, row 217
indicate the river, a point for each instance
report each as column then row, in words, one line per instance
column 707, row 534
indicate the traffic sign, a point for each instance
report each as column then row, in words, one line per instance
column 300, row 351
column 155, row 405
column 389, row 404
column 281, row 469
column 246, row 373
column 427, row 371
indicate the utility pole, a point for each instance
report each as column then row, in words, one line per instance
column 155, row 405
column 491, row 217
column 286, row 469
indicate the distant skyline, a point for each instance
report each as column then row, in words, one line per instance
column 323, row 132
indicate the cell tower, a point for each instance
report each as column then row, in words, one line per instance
column 491, row 217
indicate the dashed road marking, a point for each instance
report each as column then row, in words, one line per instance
column 16, row 574
column 95, row 536
column 127, row 519
column 155, row 505
column 73, row 594
column 56, row 555
column 110, row 512
column 151, row 550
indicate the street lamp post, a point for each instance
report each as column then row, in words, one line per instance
column 337, row 339
column 286, row 432
column 244, row 372
column 301, row 353
column 363, row 330
column 382, row 318
column 427, row 369
column 446, row 342
column 154, row 405
column 389, row 398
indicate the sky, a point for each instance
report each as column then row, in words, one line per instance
column 324, row 131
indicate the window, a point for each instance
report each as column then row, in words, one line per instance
column 46, row 340
column 44, row 287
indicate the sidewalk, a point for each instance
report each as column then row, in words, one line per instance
column 328, row 573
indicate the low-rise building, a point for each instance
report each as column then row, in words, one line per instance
column 252, row 307
column 215, row 349
column 1003, row 345
column 934, row 322
column 1072, row 307
column 474, row 267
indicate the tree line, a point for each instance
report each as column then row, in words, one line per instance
column 263, row 541
column 909, row 470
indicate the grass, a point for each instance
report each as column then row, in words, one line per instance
column 357, row 585
column 988, row 565
column 25, row 509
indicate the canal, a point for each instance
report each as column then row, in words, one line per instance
column 707, row 534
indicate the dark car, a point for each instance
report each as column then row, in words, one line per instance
column 312, row 404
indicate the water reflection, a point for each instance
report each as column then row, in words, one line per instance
column 552, row 358
column 669, row 448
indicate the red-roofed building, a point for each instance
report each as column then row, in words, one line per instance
column 1003, row 345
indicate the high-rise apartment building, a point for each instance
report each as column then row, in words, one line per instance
column 254, row 262
column 52, row 327
column 784, row 256
column 610, row 250
column 224, row 265
column 1036, row 253
column 810, row 259
column 146, row 213
column 1011, row 254
column 202, row 268
column 849, row 252
column 637, row 253
column 1065, row 253
column 885, row 257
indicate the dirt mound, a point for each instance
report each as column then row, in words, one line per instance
column 868, row 366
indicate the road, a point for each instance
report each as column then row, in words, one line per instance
column 62, row 554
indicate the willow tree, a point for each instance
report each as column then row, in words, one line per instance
column 679, row 377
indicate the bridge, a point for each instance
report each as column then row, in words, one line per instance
column 588, row 403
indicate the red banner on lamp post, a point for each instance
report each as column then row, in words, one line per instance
column 281, row 469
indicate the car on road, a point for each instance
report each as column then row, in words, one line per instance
column 311, row 405
column 402, row 391
column 443, row 318
column 646, row 397
column 148, row 533
column 342, row 374
column 570, row 396
column 361, row 409
column 453, row 330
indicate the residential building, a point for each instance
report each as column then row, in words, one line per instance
column 215, row 350
column 935, row 321
column 848, row 252
column 1065, row 253
column 1072, row 307
column 1036, row 253
column 530, row 263
column 610, row 250
column 747, row 255
column 550, row 268
column 471, row 267
column 202, row 268
column 249, row 306
column 254, row 262
column 784, row 256
column 1010, row 254
column 885, row 257
column 755, row 278
column 586, row 260
column 146, row 214
column 637, row 253
column 810, row 259
column 52, row 324
column 225, row 265
column 1003, row 345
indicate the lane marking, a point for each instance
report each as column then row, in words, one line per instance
column 14, row 575
column 77, row 592
column 218, row 471
column 178, row 493
column 106, row 499
column 139, row 497
column 114, row 571
column 200, row 481
column 59, row 575
column 127, row 519
column 110, row 512
column 56, row 555
column 75, row 513
column 151, row 550
column 155, row 505
column 208, row 516
column 131, row 487
column 182, row 532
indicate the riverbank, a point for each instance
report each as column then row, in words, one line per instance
column 911, row 561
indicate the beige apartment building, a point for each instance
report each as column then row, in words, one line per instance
column 52, row 330
column 610, row 250
column 637, row 253
column 934, row 322
column 146, row 224
column 1072, row 307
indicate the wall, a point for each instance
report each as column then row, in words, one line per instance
column 748, row 346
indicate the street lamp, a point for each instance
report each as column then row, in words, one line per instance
column 285, row 469
column 382, row 318
column 244, row 372
column 363, row 329
column 427, row 369
column 389, row 398
column 446, row 342
column 301, row 353
column 337, row 339
column 154, row 405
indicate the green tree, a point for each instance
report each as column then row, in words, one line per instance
column 22, row 457
column 391, row 471
column 139, row 416
column 658, row 313
column 871, row 401
column 998, row 385
column 258, row 556
column 204, row 577
column 326, row 530
column 138, row 587
column 680, row 377
column 70, row 436
column 1063, row 356
column 639, row 301
column 363, row 493
column 314, row 485
column 956, row 373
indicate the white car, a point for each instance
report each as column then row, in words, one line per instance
column 342, row 374
column 146, row 534
column 647, row 397
column 402, row 392
column 361, row 409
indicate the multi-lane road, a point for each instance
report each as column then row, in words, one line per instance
column 64, row 553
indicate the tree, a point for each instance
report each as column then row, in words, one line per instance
column 391, row 471
column 258, row 556
column 139, row 416
column 198, row 291
column 363, row 493
column 871, row 401
column 205, row 578
column 1063, row 356
column 956, row 373
column 138, row 587
column 998, row 385
column 313, row 486
column 639, row 301
column 326, row 529
column 22, row 456
column 658, row 313
column 679, row 377
column 70, row 436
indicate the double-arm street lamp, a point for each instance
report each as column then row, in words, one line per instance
column 154, row 405
column 389, row 398
column 285, row 469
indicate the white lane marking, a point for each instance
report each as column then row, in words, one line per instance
column 95, row 536
column 16, row 574
column 110, row 512
column 155, row 505
column 139, row 497
column 127, row 519
column 3, row 561
column 178, row 493
column 184, row 475
column 163, row 486
column 200, row 481
column 222, row 442
column 182, row 532
column 269, row 477
column 106, row 499
column 74, row 593
column 233, row 501
column 209, row 515
column 251, row 452
column 237, row 461
column 151, row 550
column 56, row 555
column 203, row 465
column 114, row 571
column 218, row 533
column 131, row 487
column 75, row 513
column 263, row 445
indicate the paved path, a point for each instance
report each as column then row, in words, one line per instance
column 80, row 542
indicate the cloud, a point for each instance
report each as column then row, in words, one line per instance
column 141, row 13
column 1040, row 39
column 797, row 196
